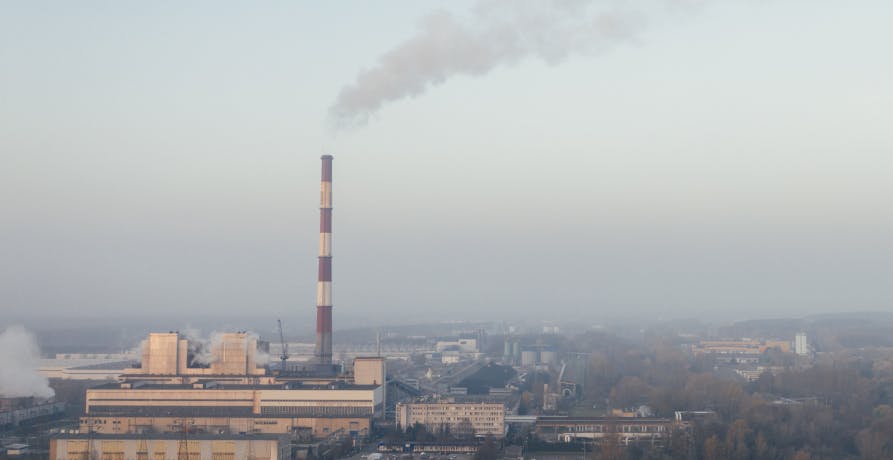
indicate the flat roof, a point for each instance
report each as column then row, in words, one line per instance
column 172, row 436
column 137, row 385
column 112, row 366
column 560, row 419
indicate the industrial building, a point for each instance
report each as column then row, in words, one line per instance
column 80, row 446
column 628, row 431
column 170, row 357
column 484, row 419
column 22, row 410
column 231, row 394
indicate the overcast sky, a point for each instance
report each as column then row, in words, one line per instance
column 727, row 158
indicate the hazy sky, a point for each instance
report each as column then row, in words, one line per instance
column 726, row 158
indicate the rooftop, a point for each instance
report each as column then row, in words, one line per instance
column 223, row 385
column 172, row 436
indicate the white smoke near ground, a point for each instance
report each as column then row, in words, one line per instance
column 497, row 33
column 261, row 357
column 204, row 348
column 19, row 360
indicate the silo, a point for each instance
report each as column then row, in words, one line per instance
column 529, row 357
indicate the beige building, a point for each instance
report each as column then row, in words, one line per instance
column 168, row 357
column 213, row 408
column 169, row 447
column 225, row 392
column 484, row 418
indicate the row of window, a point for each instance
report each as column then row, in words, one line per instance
column 623, row 428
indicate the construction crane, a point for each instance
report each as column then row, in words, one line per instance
column 284, row 355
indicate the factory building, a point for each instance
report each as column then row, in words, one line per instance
column 170, row 357
column 212, row 407
column 80, row 446
column 484, row 419
column 228, row 393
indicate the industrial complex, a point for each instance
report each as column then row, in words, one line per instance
column 437, row 390
column 215, row 400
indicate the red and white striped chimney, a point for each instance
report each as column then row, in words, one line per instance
column 324, row 282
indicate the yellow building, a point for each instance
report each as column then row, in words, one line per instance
column 484, row 418
column 168, row 447
column 741, row 347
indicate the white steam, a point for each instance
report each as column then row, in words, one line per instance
column 19, row 359
column 498, row 32
column 204, row 349
column 261, row 357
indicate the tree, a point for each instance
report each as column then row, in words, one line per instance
column 488, row 450
column 610, row 448
column 713, row 449
column 629, row 392
column 737, row 440
column 464, row 429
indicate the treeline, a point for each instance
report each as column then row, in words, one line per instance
column 839, row 408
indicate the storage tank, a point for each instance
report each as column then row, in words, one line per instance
column 529, row 357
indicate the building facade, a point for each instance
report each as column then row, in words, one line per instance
column 168, row 446
column 628, row 431
column 221, row 390
column 213, row 408
column 484, row 419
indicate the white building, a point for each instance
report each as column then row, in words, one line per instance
column 801, row 346
column 460, row 345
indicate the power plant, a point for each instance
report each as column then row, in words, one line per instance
column 220, row 390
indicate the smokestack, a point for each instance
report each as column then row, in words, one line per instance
column 324, row 282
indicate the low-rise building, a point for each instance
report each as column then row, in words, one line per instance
column 627, row 430
column 484, row 419
column 188, row 446
column 131, row 407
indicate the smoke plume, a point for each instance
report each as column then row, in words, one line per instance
column 203, row 349
column 496, row 33
column 19, row 359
